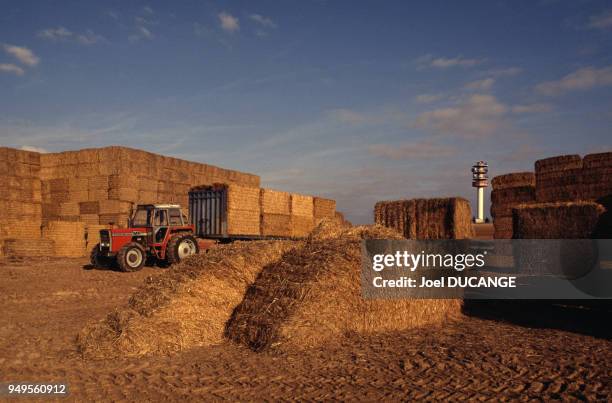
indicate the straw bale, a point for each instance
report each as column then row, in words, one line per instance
column 114, row 207
column 147, row 197
column 57, row 197
column 185, row 307
column 560, row 193
column 71, row 218
column 118, row 220
column 301, row 226
column 599, row 160
column 78, row 184
column 503, row 227
column 571, row 220
column 513, row 195
column 302, row 205
column 92, row 234
column 147, row 184
column 98, row 183
column 323, row 208
column 596, row 191
column 243, row 198
column 559, row 163
column 123, row 182
column 69, row 237
column 20, row 228
column 59, row 185
column 97, row 194
column 81, row 196
column 512, row 180
column 275, row 202
column 92, row 207
column 276, row 225
column 241, row 222
column 89, row 219
column 313, row 296
column 600, row 175
column 442, row 218
column 69, row 208
column 29, row 247
column 125, row 194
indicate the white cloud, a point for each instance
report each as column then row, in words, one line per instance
column 601, row 21
column 420, row 150
column 582, row 79
column 23, row 54
column 11, row 68
column 264, row 21
column 427, row 98
column 34, row 149
column 148, row 10
column 428, row 60
column 480, row 85
column 532, row 108
column 60, row 34
column 477, row 116
column 228, row 22
column 348, row 116
column 141, row 33
column 505, row 72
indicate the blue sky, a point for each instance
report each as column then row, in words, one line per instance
column 358, row 101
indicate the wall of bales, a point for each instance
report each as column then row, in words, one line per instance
column 20, row 197
column 99, row 186
column 565, row 178
column 441, row 218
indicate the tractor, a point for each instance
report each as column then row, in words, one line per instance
column 155, row 231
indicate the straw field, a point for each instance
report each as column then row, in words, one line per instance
column 185, row 307
column 442, row 218
column 313, row 295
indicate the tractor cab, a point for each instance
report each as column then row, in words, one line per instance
column 159, row 231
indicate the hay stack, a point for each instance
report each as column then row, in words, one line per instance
column 243, row 210
column 69, row 238
column 323, row 208
column 558, row 178
column 275, row 213
column 302, row 215
column 20, row 194
column 29, row 247
column 313, row 295
column 597, row 176
column 185, row 307
column 569, row 220
column 509, row 191
column 92, row 234
column 442, row 218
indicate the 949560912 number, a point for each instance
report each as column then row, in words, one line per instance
column 33, row 389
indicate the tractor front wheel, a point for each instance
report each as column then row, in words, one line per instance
column 98, row 260
column 131, row 257
column 180, row 247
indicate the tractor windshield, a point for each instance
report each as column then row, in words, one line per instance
column 142, row 217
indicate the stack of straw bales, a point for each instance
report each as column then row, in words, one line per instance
column 313, row 295
column 442, row 218
column 558, row 178
column 597, row 177
column 509, row 191
column 69, row 238
column 29, row 247
column 275, row 213
column 323, row 208
column 100, row 186
column 20, row 195
column 242, row 210
column 569, row 220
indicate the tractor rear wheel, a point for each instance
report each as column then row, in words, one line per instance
column 131, row 257
column 98, row 260
column 180, row 247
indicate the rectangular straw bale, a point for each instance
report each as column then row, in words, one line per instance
column 69, row 237
column 502, row 227
column 276, row 225
column 69, row 209
column 301, row 226
column 90, row 207
column 114, row 207
column 302, row 205
column 558, row 163
column 324, row 208
column 147, row 197
column 275, row 202
column 243, row 198
column 98, row 183
column 147, row 184
column 118, row 220
column 596, row 191
column 78, row 184
column 122, row 181
column 97, row 194
column 59, row 185
column 92, row 234
column 511, row 180
column 571, row 220
column 513, row 195
column 125, row 194
column 89, row 218
column 600, row 175
column 243, row 222
column 599, row 160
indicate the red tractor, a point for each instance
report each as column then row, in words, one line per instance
column 157, row 231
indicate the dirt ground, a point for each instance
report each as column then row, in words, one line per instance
column 46, row 302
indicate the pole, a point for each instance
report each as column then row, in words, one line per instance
column 480, row 218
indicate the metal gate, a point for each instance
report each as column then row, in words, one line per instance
column 207, row 211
